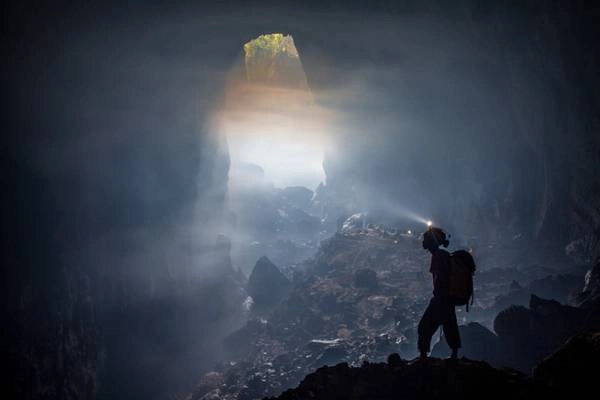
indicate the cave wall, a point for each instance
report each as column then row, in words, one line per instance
column 50, row 334
column 113, row 179
column 551, row 76
column 113, row 282
column 480, row 116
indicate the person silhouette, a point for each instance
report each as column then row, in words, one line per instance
column 440, row 310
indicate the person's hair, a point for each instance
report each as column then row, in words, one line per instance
column 435, row 237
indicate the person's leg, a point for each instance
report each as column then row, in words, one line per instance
column 427, row 327
column 450, row 327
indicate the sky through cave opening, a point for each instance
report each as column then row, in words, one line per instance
column 274, row 129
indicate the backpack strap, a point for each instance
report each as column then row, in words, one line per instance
column 472, row 299
column 473, row 292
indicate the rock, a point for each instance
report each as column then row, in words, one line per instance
column 514, row 285
column 437, row 379
column 241, row 342
column 394, row 360
column 556, row 287
column 208, row 386
column 573, row 369
column 326, row 319
column 577, row 251
column 354, row 222
column 298, row 196
column 299, row 221
column 365, row 278
column 212, row 395
column 527, row 335
column 331, row 356
column 478, row 343
column 590, row 296
column 267, row 285
column 515, row 297
column 508, row 322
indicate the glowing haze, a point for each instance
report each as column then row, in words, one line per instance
column 270, row 118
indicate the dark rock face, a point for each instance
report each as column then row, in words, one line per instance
column 267, row 285
column 49, row 342
column 437, row 379
column 544, row 187
column 527, row 335
column 116, row 174
column 523, row 335
column 561, row 287
column 573, row 369
column 97, row 285
column 590, row 296
column 478, row 343
column 181, row 324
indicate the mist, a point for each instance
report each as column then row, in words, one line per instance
column 142, row 188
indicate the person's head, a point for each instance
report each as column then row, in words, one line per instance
column 433, row 238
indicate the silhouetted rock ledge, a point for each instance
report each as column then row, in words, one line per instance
column 573, row 369
column 399, row 379
column 571, row 372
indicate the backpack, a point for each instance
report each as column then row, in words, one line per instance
column 462, row 268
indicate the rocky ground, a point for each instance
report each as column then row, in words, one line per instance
column 436, row 379
column 570, row 371
column 359, row 300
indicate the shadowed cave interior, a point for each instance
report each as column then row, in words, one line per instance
column 226, row 201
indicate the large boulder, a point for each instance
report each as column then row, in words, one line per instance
column 573, row 369
column 527, row 335
column 478, row 343
column 267, row 285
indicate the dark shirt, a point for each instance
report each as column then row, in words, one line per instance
column 440, row 269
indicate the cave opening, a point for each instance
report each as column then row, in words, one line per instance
column 271, row 122
column 276, row 135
